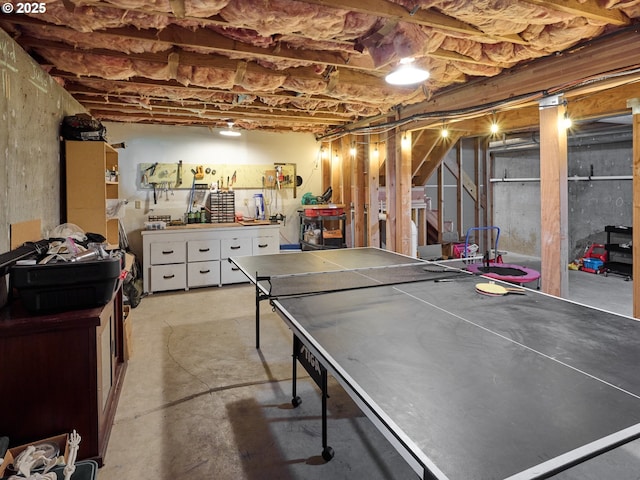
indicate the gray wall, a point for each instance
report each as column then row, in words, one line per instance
column 32, row 106
column 592, row 204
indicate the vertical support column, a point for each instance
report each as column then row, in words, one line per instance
column 634, row 104
column 460, row 191
column 372, row 176
column 403, row 193
column 325, row 162
column 346, row 161
column 358, row 192
column 554, row 197
column 440, row 173
column 336, row 172
column 391, row 186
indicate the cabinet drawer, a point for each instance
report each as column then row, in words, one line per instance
column 168, row 277
column 235, row 247
column 265, row 244
column 200, row 274
column 231, row 274
column 201, row 250
column 163, row 253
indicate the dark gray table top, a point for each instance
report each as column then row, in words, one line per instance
column 476, row 386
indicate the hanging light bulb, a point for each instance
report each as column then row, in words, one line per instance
column 405, row 140
column 495, row 128
column 353, row 150
column 230, row 132
column 407, row 73
column 566, row 122
column 444, row 133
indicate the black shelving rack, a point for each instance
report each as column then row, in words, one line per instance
column 619, row 250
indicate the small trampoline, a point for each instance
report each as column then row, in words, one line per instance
column 507, row 272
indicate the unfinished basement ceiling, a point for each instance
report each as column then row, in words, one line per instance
column 284, row 65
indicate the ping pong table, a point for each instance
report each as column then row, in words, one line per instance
column 463, row 385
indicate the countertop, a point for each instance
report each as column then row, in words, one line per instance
column 197, row 226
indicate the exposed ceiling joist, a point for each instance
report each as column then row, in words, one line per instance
column 321, row 59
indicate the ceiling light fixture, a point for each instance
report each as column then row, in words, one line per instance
column 407, row 73
column 444, row 132
column 230, row 132
column 495, row 128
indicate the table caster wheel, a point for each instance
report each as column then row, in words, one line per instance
column 296, row 401
column 328, row 454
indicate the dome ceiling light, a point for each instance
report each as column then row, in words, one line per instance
column 407, row 73
column 230, row 131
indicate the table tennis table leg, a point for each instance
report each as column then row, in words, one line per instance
column 319, row 374
column 295, row 399
column 259, row 297
column 257, row 316
column 327, row 451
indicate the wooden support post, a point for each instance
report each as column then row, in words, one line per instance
column 390, row 173
column 403, row 230
column 346, row 161
column 325, row 159
column 554, row 198
column 359, row 187
column 635, row 272
column 372, row 164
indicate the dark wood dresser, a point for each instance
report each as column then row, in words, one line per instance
column 60, row 372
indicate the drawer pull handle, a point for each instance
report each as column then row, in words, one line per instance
column 205, row 271
column 263, row 245
column 167, row 277
column 234, row 269
column 203, row 249
column 167, row 252
column 235, row 247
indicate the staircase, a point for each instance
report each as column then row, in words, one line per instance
column 433, row 232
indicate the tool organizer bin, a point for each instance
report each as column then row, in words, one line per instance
column 222, row 207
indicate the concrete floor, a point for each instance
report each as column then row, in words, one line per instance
column 200, row 402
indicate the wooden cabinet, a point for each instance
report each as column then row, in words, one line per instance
column 197, row 256
column 89, row 189
column 61, row 372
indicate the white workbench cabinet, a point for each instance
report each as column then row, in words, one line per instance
column 197, row 256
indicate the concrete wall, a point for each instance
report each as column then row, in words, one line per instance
column 592, row 204
column 198, row 145
column 32, row 106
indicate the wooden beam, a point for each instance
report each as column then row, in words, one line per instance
column 612, row 53
column 403, row 233
column 325, row 159
column 215, row 42
column 554, row 201
column 346, row 172
column 373, row 182
column 422, row 144
column 437, row 155
column 359, row 192
column 590, row 9
column 427, row 18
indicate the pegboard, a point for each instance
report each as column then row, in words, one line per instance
column 178, row 175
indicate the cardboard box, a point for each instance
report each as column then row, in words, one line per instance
column 60, row 440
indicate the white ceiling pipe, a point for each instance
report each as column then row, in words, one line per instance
column 574, row 178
